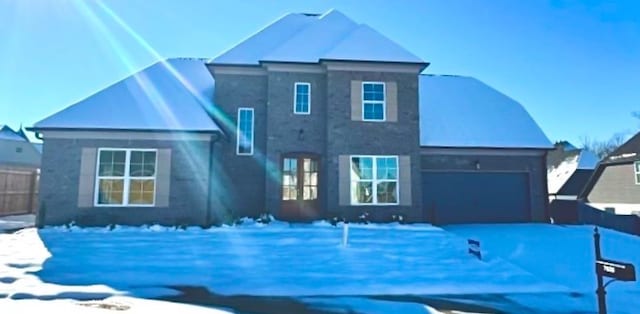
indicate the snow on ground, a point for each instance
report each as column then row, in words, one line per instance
column 22, row 253
column 563, row 255
column 279, row 260
column 527, row 268
column 15, row 222
column 125, row 305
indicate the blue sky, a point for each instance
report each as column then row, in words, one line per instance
column 574, row 65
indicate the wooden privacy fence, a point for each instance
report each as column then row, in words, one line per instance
column 18, row 191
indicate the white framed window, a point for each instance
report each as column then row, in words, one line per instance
column 244, row 132
column 302, row 98
column 125, row 177
column 373, row 101
column 636, row 171
column 374, row 180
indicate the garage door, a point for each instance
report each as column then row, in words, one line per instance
column 475, row 197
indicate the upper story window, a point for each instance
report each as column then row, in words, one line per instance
column 244, row 132
column 126, row 177
column 374, row 180
column 373, row 101
column 636, row 168
column 302, row 98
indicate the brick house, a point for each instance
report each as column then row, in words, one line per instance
column 343, row 125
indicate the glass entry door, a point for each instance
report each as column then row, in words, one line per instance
column 300, row 177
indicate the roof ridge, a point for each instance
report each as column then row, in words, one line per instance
column 236, row 44
column 300, row 32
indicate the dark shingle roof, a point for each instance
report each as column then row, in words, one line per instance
column 576, row 183
column 627, row 152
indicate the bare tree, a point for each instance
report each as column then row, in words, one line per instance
column 605, row 147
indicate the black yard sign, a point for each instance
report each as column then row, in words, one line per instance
column 617, row 270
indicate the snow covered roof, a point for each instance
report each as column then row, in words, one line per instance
column 457, row 111
column 166, row 96
column 310, row 38
column 7, row 133
column 587, row 160
column 569, row 169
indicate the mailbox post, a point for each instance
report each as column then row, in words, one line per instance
column 602, row 301
column 609, row 268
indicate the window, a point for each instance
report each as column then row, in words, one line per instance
column 636, row 168
column 245, row 132
column 302, row 98
column 309, row 179
column 373, row 102
column 290, row 179
column 374, row 180
column 126, row 177
column 296, row 179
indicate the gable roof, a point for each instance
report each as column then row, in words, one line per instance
column 166, row 96
column 457, row 111
column 311, row 38
column 569, row 169
column 627, row 152
column 576, row 182
column 7, row 133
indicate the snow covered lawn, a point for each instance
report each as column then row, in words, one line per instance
column 280, row 259
column 525, row 268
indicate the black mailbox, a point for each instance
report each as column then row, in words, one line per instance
column 617, row 270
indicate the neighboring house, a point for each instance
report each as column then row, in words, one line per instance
column 19, row 167
column 315, row 116
column 615, row 184
column 16, row 152
column 568, row 171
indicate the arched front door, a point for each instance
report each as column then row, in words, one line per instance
column 300, row 177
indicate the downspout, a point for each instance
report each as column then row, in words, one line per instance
column 214, row 138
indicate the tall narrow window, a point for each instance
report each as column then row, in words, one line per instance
column 373, row 102
column 310, row 179
column 290, row 179
column 126, row 177
column 636, row 167
column 245, row 132
column 302, row 98
column 374, row 180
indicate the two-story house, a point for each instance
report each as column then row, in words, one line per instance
column 614, row 186
column 314, row 116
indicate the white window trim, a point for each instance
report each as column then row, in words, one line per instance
column 636, row 172
column 374, row 181
column 253, row 131
column 383, row 102
column 295, row 94
column 126, row 178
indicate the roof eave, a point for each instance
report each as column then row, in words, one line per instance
column 485, row 147
column 85, row 129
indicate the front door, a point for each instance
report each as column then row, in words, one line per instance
column 300, row 187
